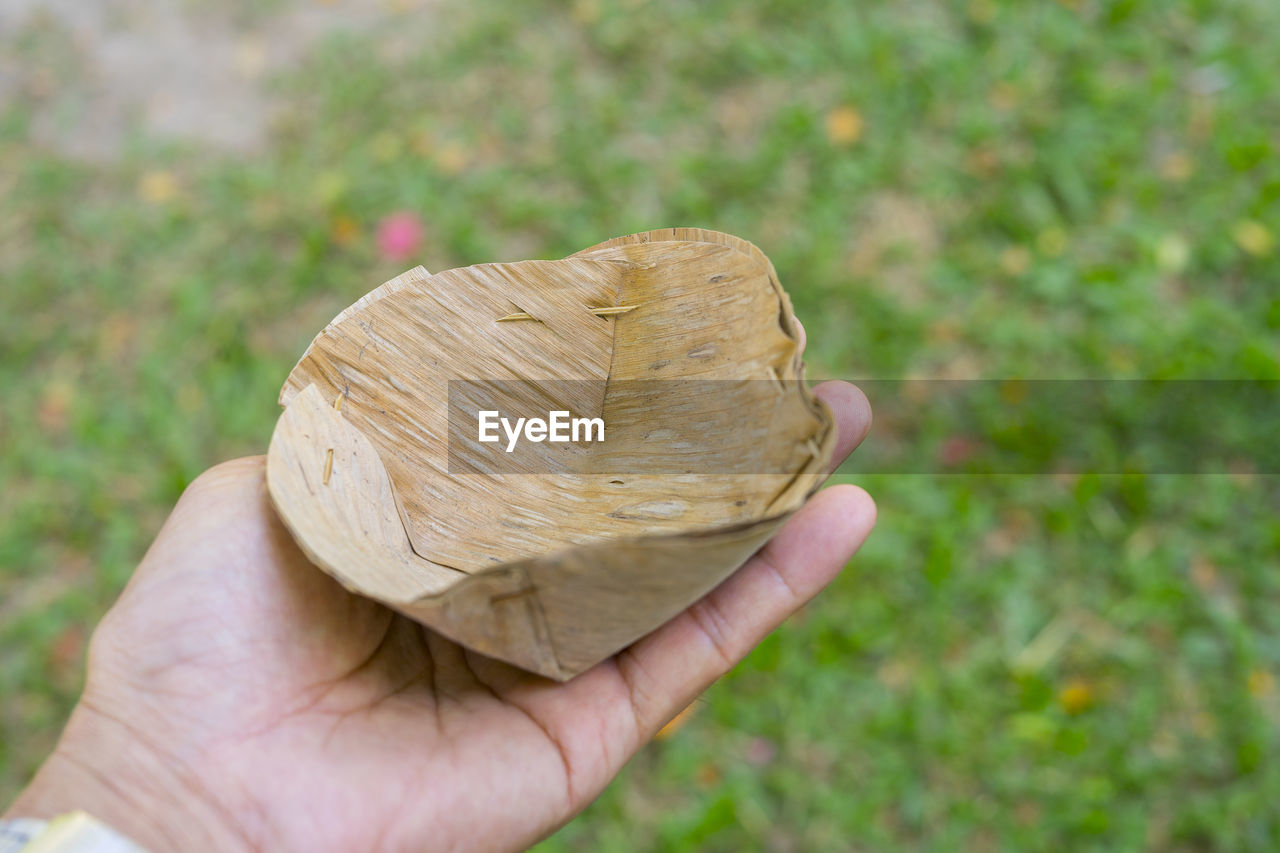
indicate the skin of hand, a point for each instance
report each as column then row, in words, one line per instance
column 238, row 698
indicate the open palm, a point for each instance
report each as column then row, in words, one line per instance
column 238, row 698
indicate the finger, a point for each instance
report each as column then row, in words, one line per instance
column 667, row 669
column 852, row 412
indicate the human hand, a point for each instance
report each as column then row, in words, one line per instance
column 238, row 698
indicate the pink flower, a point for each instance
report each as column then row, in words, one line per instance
column 399, row 236
column 957, row 450
column 761, row 751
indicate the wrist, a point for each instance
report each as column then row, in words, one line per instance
column 99, row 768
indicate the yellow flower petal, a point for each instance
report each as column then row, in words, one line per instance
column 1076, row 696
column 1254, row 237
column 1261, row 682
column 1015, row 260
column 158, row 186
column 344, row 231
column 451, row 158
column 844, row 125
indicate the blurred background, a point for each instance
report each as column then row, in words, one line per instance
column 949, row 189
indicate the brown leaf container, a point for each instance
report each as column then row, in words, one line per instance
column 553, row 569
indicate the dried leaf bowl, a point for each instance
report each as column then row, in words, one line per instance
column 560, row 564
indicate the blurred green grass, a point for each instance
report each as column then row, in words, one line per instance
column 995, row 189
